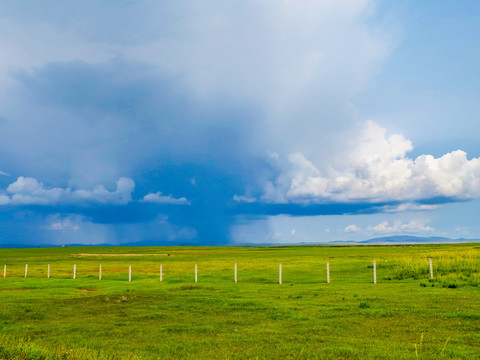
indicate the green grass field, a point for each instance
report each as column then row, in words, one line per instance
column 406, row 315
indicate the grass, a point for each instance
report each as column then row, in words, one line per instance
column 406, row 315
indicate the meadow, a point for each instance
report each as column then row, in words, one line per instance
column 406, row 315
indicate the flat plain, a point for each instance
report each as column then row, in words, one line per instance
column 405, row 315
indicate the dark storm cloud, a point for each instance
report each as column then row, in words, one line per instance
column 125, row 117
column 185, row 99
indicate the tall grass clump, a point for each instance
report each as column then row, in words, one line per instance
column 404, row 268
column 24, row 349
column 466, row 264
column 450, row 269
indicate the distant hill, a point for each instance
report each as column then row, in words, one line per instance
column 386, row 240
column 406, row 239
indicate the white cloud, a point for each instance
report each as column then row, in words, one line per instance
column 286, row 60
column 377, row 169
column 352, row 228
column 286, row 49
column 412, row 226
column 409, row 207
column 286, row 46
column 293, row 231
column 244, row 199
column 163, row 199
column 27, row 47
column 383, row 227
column 4, row 200
column 3, row 173
column 29, row 191
column 68, row 223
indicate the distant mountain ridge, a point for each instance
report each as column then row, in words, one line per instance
column 408, row 239
column 386, row 240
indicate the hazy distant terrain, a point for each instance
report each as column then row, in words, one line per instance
column 387, row 240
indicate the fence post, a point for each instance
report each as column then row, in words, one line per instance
column 431, row 268
column 235, row 272
column 161, row 272
column 26, row 269
column 196, row 273
column 374, row 272
column 129, row 273
column 5, row 270
column 74, row 271
column 100, row 272
column 280, row 274
column 48, row 271
column 328, row 272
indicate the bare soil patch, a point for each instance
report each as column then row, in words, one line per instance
column 117, row 255
column 194, row 287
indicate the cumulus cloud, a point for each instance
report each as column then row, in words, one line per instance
column 412, row 226
column 158, row 198
column 377, row 169
column 352, row 228
column 29, row 191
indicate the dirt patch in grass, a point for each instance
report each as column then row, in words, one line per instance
column 117, row 255
column 193, row 287
column 86, row 289
column 18, row 289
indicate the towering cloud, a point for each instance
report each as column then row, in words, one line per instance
column 376, row 168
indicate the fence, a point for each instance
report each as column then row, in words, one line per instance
column 235, row 277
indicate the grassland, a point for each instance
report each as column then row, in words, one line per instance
column 406, row 315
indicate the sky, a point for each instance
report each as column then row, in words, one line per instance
column 213, row 122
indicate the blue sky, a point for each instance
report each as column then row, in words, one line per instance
column 211, row 122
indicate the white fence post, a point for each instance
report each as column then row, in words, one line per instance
column 280, row 274
column 374, row 272
column 196, row 273
column 100, row 272
column 328, row 272
column 431, row 268
column 74, row 271
column 235, row 272
column 161, row 272
column 26, row 269
column 48, row 271
column 5, row 270
column 130, row 273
